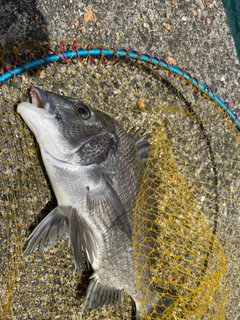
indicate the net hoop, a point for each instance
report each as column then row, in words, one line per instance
column 113, row 54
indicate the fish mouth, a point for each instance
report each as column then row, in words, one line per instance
column 35, row 99
column 40, row 99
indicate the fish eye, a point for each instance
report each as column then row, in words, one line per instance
column 83, row 112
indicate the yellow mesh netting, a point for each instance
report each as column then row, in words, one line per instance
column 189, row 196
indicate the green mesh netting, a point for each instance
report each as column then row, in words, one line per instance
column 189, row 196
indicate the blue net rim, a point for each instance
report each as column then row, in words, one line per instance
column 113, row 54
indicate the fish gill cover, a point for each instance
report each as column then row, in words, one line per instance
column 186, row 219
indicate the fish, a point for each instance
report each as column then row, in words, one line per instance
column 95, row 168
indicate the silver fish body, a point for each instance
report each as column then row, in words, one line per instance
column 95, row 169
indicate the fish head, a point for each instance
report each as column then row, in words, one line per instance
column 67, row 129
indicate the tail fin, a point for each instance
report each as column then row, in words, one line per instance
column 49, row 229
column 155, row 307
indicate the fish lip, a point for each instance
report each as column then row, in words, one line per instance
column 36, row 101
column 41, row 100
column 35, row 97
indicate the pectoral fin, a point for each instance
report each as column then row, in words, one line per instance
column 105, row 201
column 49, row 229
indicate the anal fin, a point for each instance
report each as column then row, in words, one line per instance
column 99, row 295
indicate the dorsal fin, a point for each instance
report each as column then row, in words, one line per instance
column 142, row 145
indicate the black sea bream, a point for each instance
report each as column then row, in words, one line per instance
column 95, row 169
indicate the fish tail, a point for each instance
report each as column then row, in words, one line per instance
column 154, row 308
